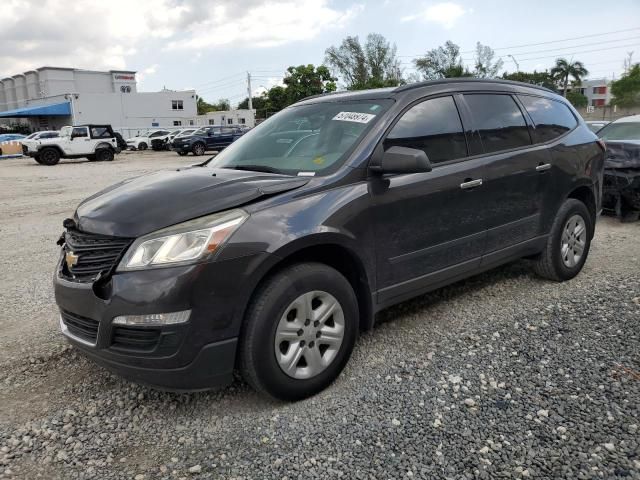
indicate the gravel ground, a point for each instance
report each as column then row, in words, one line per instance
column 500, row 376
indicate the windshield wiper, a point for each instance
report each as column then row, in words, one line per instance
column 255, row 168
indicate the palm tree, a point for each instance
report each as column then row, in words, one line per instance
column 565, row 69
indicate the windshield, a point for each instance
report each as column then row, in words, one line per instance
column 621, row 131
column 33, row 135
column 304, row 140
column 184, row 133
column 65, row 131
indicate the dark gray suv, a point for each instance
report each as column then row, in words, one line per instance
column 274, row 255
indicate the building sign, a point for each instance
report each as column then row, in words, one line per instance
column 120, row 76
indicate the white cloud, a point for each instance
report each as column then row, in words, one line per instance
column 104, row 35
column 446, row 14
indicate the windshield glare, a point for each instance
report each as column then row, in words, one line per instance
column 621, row 131
column 304, row 140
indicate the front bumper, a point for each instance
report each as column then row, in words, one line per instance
column 195, row 355
column 181, row 148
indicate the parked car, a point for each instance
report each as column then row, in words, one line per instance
column 206, row 139
column 94, row 142
column 43, row 134
column 271, row 257
column 143, row 141
column 11, row 137
column 621, row 194
column 164, row 143
column 596, row 125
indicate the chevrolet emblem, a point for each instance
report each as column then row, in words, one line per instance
column 71, row 259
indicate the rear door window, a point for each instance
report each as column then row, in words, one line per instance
column 552, row 119
column 499, row 121
column 433, row 126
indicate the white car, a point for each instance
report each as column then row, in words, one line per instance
column 94, row 142
column 143, row 141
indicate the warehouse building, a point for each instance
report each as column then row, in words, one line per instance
column 50, row 97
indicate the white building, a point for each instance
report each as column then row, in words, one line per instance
column 50, row 97
column 597, row 91
column 228, row 117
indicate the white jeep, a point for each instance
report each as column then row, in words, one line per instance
column 95, row 142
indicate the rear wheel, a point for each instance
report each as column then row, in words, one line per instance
column 299, row 332
column 49, row 156
column 104, row 155
column 142, row 146
column 568, row 243
column 198, row 149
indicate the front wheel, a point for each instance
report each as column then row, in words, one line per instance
column 299, row 331
column 142, row 146
column 49, row 156
column 198, row 149
column 568, row 243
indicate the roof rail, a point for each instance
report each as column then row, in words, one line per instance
column 426, row 83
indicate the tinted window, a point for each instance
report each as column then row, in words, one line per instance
column 100, row 132
column 79, row 132
column 499, row 121
column 552, row 119
column 433, row 126
column 621, row 131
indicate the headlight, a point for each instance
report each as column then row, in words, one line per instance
column 183, row 243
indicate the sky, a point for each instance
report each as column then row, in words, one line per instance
column 210, row 45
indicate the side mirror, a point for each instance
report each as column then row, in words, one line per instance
column 404, row 160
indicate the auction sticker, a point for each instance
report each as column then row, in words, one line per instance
column 354, row 117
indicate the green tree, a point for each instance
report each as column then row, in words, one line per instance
column 626, row 91
column 306, row 80
column 564, row 69
column 485, row 67
column 577, row 99
column 204, row 107
column 543, row 79
column 258, row 103
column 442, row 62
column 372, row 65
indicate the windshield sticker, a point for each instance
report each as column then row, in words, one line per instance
column 306, row 174
column 354, row 117
column 318, row 160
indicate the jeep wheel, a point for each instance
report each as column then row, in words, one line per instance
column 568, row 243
column 182, row 154
column 104, row 155
column 299, row 332
column 49, row 156
column 198, row 149
column 142, row 146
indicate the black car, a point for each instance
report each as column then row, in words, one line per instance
column 274, row 255
column 207, row 139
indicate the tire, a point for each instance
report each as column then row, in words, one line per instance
column 558, row 261
column 142, row 146
column 182, row 154
column 104, row 155
column 91, row 158
column 49, row 156
column 275, row 310
column 198, row 149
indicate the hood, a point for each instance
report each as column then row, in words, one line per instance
column 144, row 204
column 622, row 154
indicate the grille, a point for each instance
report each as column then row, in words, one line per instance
column 94, row 254
column 81, row 327
column 131, row 338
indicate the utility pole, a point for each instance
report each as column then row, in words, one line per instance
column 249, row 91
column 516, row 62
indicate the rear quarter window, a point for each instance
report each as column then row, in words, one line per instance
column 551, row 119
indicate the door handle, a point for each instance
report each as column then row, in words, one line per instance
column 543, row 167
column 471, row 184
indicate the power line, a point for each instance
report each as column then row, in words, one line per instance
column 543, row 43
column 577, row 53
column 221, row 79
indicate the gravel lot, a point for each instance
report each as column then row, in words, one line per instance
column 500, row 376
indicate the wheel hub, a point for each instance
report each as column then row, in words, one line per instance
column 573, row 240
column 309, row 334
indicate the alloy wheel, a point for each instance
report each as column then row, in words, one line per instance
column 573, row 240
column 309, row 334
